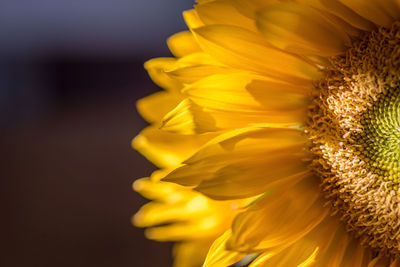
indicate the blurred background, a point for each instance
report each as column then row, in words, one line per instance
column 70, row 73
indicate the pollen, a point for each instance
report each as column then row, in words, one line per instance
column 354, row 133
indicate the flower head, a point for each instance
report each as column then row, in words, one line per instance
column 280, row 119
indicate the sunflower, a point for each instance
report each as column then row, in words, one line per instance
column 280, row 121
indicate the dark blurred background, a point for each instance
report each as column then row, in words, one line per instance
column 70, row 73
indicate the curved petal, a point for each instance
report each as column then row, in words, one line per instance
column 373, row 10
column 395, row 263
column 223, row 12
column 237, row 100
column 191, row 253
column 244, row 91
column 279, row 219
column 182, row 44
column 340, row 10
column 191, row 118
column 328, row 244
column 192, row 74
column 232, row 181
column 249, row 8
column 392, row 7
column 160, row 69
column 179, row 213
column 356, row 255
column 195, row 59
column 301, row 29
column 157, row 69
column 243, row 49
column 192, row 19
column 379, row 261
column 218, row 256
column 154, row 107
column 168, row 149
column 303, row 256
column 257, row 148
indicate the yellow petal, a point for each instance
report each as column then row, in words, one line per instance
column 157, row 175
column 245, row 92
column 341, row 11
column 157, row 69
column 199, row 58
column 279, row 219
column 328, row 244
column 189, row 118
column 173, row 203
column 253, row 160
column 178, row 212
column 154, row 213
column 204, row 1
column 223, row 12
column 223, row 102
column 301, row 29
column 161, row 191
column 218, row 256
column 160, row 69
column 395, row 263
column 333, row 251
column 213, row 148
column 191, row 74
column 380, row 261
column 249, row 8
column 303, row 252
column 154, row 107
column 356, row 255
column 392, row 7
column 168, row 149
column 201, row 228
column 373, row 10
column 261, row 260
column 344, row 26
column 182, row 44
column 191, row 253
column 243, row 49
column 192, row 19
column 240, row 180
column 294, row 256
column 194, row 219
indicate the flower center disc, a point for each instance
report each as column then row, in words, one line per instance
column 354, row 129
column 380, row 138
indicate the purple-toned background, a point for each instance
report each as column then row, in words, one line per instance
column 70, row 73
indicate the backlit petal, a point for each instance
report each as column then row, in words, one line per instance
column 156, row 69
column 243, row 49
column 218, row 256
column 301, row 29
column 279, row 219
column 168, row 149
column 372, row 10
column 154, row 107
column 340, row 10
column 249, row 8
column 223, row 12
column 192, row 19
column 229, row 101
column 182, row 44
column 253, row 161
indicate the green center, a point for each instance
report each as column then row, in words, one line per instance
column 380, row 136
